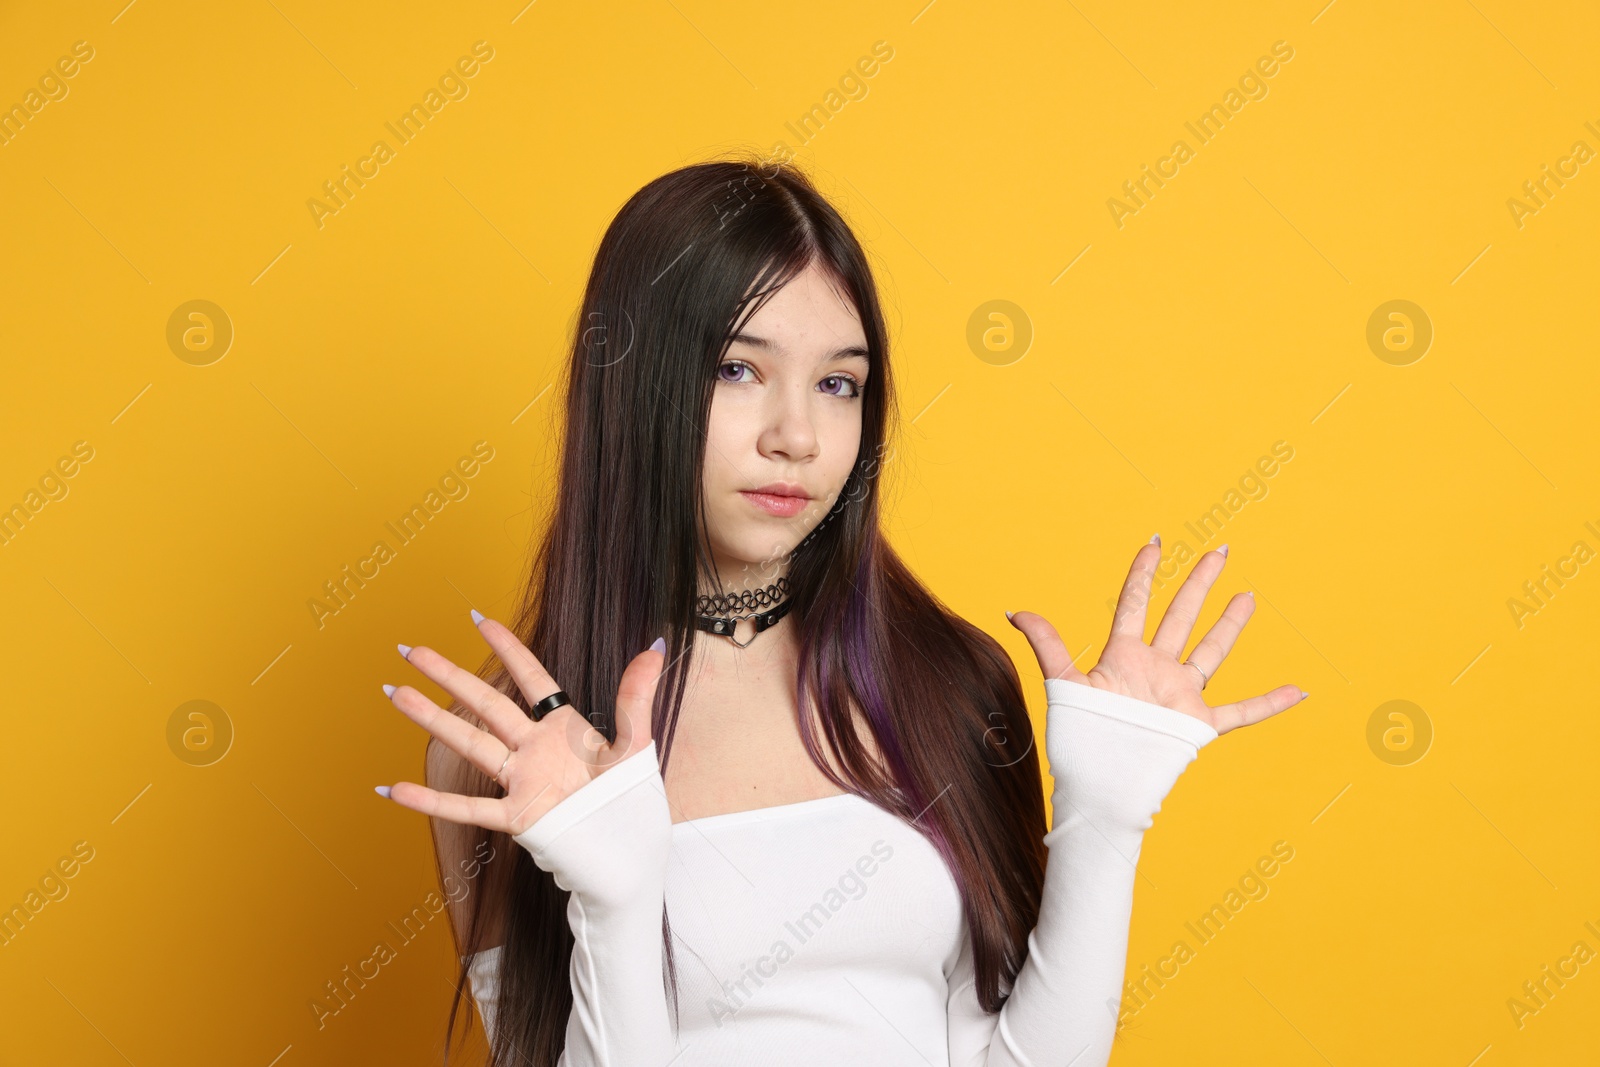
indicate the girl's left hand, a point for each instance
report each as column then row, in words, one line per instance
column 1154, row 672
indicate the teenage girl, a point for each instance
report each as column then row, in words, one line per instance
column 752, row 793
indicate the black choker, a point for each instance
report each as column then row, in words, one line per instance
column 724, row 624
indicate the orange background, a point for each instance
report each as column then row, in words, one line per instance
column 1165, row 356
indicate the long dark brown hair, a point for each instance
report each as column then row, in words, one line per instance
column 686, row 261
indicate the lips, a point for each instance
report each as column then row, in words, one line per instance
column 782, row 499
column 782, row 489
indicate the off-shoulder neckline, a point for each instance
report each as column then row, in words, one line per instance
column 772, row 811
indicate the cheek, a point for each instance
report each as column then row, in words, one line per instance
column 725, row 443
column 841, row 445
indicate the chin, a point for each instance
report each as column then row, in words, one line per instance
column 762, row 549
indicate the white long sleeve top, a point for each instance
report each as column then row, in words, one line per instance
column 831, row 931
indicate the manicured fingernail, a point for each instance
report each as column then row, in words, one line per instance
column 1304, row 694
column 659, row 645
column 382, row 790
column 1223, row 551
column 405, row 650
column 388, row 690
column 477, row 616
column 1008, row 614
column 1251, row 593
column 1155, row 539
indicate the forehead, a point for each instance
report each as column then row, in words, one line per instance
column 810, row 313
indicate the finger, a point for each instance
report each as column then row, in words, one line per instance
column 1054, row 659
column 1218, row 641
column 1130, row 614
column 478, row 747
column 636, row 696
column 1178, row 622
column 488, row 812
column 504, row 719
column 1227, row 717
column 533, row 681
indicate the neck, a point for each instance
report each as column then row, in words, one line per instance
column 734, row 604
column 740, row 577
column 774, row 647
column 750, row 592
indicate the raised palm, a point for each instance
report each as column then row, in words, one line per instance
column 1156, row 672
column 539, row 763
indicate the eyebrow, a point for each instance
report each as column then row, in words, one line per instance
column 848, row 352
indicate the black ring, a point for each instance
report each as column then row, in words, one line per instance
column 549, row 704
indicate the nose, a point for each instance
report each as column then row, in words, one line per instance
column 790, row 432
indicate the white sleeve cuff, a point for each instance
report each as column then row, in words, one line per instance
column 633, row 771
column 1130, row 710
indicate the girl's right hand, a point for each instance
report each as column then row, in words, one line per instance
column 543, row 762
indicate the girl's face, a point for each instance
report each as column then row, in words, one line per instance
column 784, row 429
